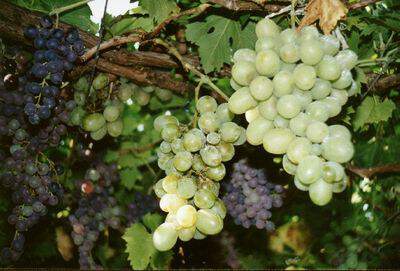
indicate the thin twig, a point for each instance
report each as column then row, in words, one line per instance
column 362, row 4
column 369, row 172
column 341, row 38
column 60, row 10
column 189, row 67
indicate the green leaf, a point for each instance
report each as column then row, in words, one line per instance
column 161, row 260
column 217, row 37
column 372, row 110
column 111, row 156
column 152, row 221
column 139, row 246
column 129, row 177
column 159, row 10
column 128, row 24
column 176, row 101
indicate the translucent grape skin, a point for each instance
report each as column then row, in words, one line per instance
column 283, row 83
column 309, row 169
column 337, row 149
column 243, row 72
column 261, row 88
column 276, row 140
column 256, row 130
column 244, row 54
column 304, row 76
column 267, row 63
column 216, row 173
column 288, row 106
column 298, row 149
column 208, row 222
column 206, row 104
column 317, row 131
column 267, row 28
column 320, row 192
column 328, row 68
column 267, row 109
column 165, row 237
column 241, row 101
column 311, row 52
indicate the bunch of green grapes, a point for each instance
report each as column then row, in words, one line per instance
column 288, row 87
column 107, row 119
column 192, row 159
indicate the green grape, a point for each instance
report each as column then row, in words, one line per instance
column 164, row 95
column 288, row 166
column 317, row 111
column 332, row 172
column 230, row 132
column 317, row 131
column 213, row 138
column 288, row 106
column 187, row 187
column 77, row 115
column 242, row 137
column 309, row 32
column 283, row 83
column 148, row 89
column 344, row 81
column 165, row 147
column 340, row 95
column 244, row 54
column 79, row 97
column 304, row 97
column 115, row 128
column 100, row 81
column 165, row 161
column 256, row 130
column 289, row 53
column 183, row 161
column 277, row 140
column 223, row 113
column 330, row 44
column 99, row 134
column 332, row 106
column 186, row 234
column 165, row 237
column 299, row 185
column 309, row 169
column 347, row 59
column 304, row 76
column 316, row 149
column 126, row 91
column 337, row 149
column 299, row 124
column 186, row 216
column 211, row 156
column 111, row 113
column 204, row 198
column 209, row 222
column 321, row 89
column 339, row 131
column 263, row 44
column 288, row 67
column 241, row 101
column 158, row 189
column 216, row 173
column 320, row 192
column 339, row 187
column 198, row 164
column 162, row 120
column 261, row 88
column 219, row 208
column 298, row 149
column 252, row 114
column 234, row 84
column 267, row 63
column 170, row 183
column 171, row 202
column 281, row 122
column 267, row 28
column 198, row 235
column 170, row 132
column 289, row 35
column 267, row 109
column 227, row 151
column 93, row 122
column 211, row 186
column 171, row 218
column 328, row 68
column 194, row 140
column 177, row 145
column 311, row 52
column 142, row 97
column 206, row 104
column 208, row 122
column 82, row 84
column 243, row 72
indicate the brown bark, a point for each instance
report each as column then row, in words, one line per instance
column 369, row 172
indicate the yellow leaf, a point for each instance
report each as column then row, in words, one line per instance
column 64, row 244
column 328, row 12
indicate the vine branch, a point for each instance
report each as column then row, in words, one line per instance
column 369, row 172
column 362, row 4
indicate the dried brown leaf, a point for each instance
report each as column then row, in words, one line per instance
column 64, row 244
column 328, row 12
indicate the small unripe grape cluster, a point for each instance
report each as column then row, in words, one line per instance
column 193, row 161
column 288, row 87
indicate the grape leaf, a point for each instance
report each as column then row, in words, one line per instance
column 139, row 246
column 152, row 221
column 217, row 38
column 159, row 10
column 372, row 110
column 129, row 177
column 128, row 24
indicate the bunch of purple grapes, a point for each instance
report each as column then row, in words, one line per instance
column 56, row 51
column 97, row 210
column 139, row 206
column 250, row 196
